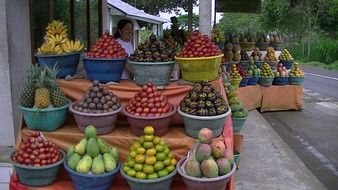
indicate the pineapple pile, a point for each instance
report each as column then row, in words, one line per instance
column 266, row 71
column 57, row 42
column 41, row 89
column 285, row 56
column 296, row 71
column 232, row 53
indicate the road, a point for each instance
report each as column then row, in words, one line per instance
column 313, row 132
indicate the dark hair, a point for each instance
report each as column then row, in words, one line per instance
column 121, row 24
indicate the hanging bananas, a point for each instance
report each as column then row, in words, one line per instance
column 57, row 28
column 57, row 42
column 72, row 46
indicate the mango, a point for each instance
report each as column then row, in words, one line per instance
column 218, row 148
column 84, row 164
column 93, row 148
column 237, row 114
column 73, row 160
column 205, row 135
column 70, row 151
column 224, row 166
column 113, row 151
column 109, row 162
column 235, row 107
column 90, row 132
column 104, row 147
column 233, row 100
column 203, row 151
column 80, row 147
column 98, row 165
column 245, row 112
column 192, row 168
column 230, row 156
column 209, row 168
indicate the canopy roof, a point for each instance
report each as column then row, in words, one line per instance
column 124, row 9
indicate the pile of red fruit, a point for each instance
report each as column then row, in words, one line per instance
column 36, row 151
column 199, row 45
column 148, row 102
column 107, row 47
column 241, row 71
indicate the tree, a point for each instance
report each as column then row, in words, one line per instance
column 156, row 6
column 183, row 21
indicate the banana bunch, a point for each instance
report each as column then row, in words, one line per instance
column 57, row 39
column 57, row 28
column 50, row 49
column 72, row 46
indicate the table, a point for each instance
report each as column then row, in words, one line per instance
column 121, row 137
column 273, row 98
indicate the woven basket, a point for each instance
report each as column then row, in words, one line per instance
column 200, row 68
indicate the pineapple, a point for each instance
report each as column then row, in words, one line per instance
column 57, row 97
column 42, row 93
column 28, row 93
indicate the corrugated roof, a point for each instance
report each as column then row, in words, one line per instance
column 135, row 13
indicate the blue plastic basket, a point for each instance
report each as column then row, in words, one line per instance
column 38, row 176
column 259, row 64
column 266, row 81
column 296, row 80
column 193, row 124
column 281, row 81
column 253, row 80
column 287, row 64
column 91, row 181
column 244, row 65
column 238, row 124
column 162, row 183
column 67, row 63
column 158, row 73
column 47, row 119
column 244, row 82
column 104, row 70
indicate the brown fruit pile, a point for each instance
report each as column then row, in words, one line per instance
column 98, row 99
column 36, row 151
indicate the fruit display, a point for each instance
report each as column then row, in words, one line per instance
column 244, row 56
column 217, row 35
column 234, row 74
column 237, row 109
column 57, row 42
column 153, row 50
column 203, row 100
column 199, row 45
column 149, row 102
column 232, row 53
column 241, row 71
column 253, row 71
column 296, row 71
column 149, row 157
column 41, row 89
column 97, row 99
column 266, row 71
column 270, row 54
column 35, row 150
column 107, row 47
column 285, row 56
column 281, row 71
column 92, row 154
column 257, row 55
column 209, row 158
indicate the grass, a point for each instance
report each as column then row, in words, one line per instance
column 333, row 66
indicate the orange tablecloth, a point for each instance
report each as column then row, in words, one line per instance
column 273, row 98
column 121, row 137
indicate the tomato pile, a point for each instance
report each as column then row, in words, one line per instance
column 149, row 102
column 107, row 47
column 36, row 151
column 199, row 45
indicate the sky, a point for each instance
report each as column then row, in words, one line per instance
column 195, row 10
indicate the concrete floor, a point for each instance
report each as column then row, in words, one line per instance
column 266, row 162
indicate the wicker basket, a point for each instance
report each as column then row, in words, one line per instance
column 200, row 68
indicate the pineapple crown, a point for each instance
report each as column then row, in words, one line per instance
column 47, row 77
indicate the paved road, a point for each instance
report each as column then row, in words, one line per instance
column 313, row 132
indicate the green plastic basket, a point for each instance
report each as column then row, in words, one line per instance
column 162, row 183
column 266, row 81
column 296, row 80
column 237, row 156
column 38, row 176
column 235, row 82
column 238, row 124
column 47, row 119
column 199, row 68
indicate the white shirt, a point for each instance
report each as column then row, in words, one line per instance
column 128, row 47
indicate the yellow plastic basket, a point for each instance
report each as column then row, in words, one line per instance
column 199, row 68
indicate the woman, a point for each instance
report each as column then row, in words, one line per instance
column 124, row 34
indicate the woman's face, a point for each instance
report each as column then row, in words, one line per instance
column 126, row 33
